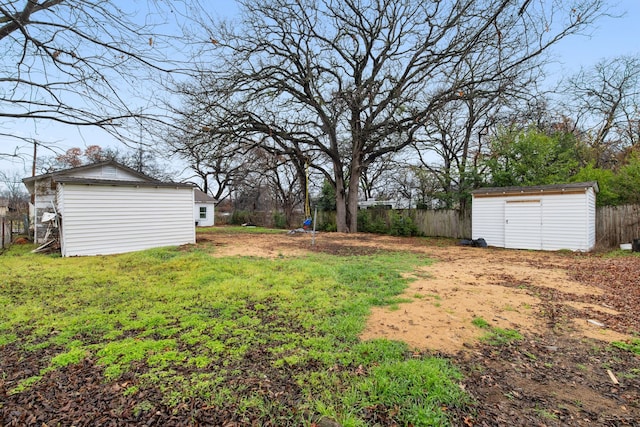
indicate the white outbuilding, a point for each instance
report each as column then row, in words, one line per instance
column 545, row 217
column 204, row 209
column 108, row 208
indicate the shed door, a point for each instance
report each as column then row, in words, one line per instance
column 523, row 224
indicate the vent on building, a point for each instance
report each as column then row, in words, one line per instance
column 109, row 171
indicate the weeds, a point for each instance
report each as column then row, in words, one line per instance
column 499, row 336
column 496, row 336
column 480, row 323
column 543, row 413
column 633, row 373
column 633, row 345
column 411, row 391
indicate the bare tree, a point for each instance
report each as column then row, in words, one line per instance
column 450, row 151
column 606, row 99
column 347, row 82
column 219, row 162
column 283, row 182
column 85, row 62
column 222, row 155
column 372, row 180
column 452, row 138
column 140, row 160
column 12, row 181
column 14, row 193
column 226, row 167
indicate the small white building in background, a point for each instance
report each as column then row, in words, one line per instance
column 204, row 209
column 108, row 208
column 387, row 204
column 546, row 217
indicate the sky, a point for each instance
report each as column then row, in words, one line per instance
column 610, row 37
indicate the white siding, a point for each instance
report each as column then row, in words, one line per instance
column 564, row 225
column 567, row 221
column 208, row 221
column 109, row 172
column 101, row 220
column 487, row 220
column 591, row 218
column 523, row 224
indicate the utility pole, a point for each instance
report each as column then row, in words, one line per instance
column 35, row 149
column 33, row 169
column 140, row 154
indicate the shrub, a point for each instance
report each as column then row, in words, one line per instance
column 402, row 225
column 240, row 217
column 329, row 226
column 279, row 220
column 372, row 221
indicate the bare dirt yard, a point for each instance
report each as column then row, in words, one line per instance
column 569, row 307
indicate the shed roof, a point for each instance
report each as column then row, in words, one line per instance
column 61, row 172
column 574, row 187
column 121, row 183
column 202, row 197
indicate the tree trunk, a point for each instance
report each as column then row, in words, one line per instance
column 341, row 205
column 352, row 201
column 347, row 198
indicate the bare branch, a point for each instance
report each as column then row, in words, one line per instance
column 346, row 83
column 90, row 63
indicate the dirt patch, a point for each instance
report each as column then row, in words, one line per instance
column 509, row 289
column 532, row 292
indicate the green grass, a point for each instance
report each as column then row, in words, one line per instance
column 237, row 229
column 189, row 324
column 632, row 345
column 619, row 253
column 415, row 390
column 480, row 323
column 496, row 336
column 543, row 413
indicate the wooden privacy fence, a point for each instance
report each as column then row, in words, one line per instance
column 614, row 224
column 442, row 223
column 5, row 232
column 432, row 223
column 10, row 226
column 617, row 224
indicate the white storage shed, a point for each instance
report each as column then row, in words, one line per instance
column 107, row 208
column 204, row 209
column 546, row 217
